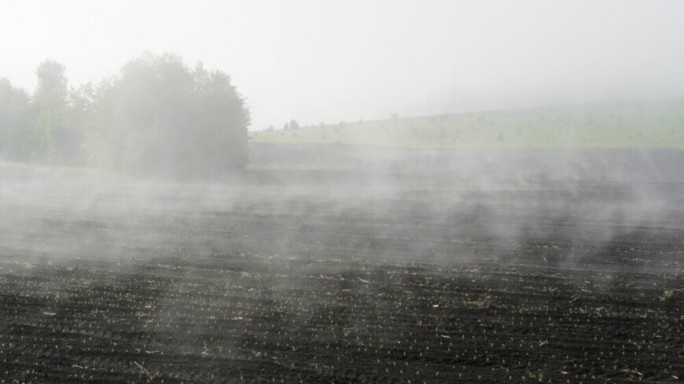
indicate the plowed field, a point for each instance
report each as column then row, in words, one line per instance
column 541, row 282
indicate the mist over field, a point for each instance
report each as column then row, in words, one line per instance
column 349, row 192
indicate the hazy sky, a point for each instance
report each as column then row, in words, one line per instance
column 332, row 60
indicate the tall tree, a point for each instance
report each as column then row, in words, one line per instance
column 150, row 105
column 157, row 116
column 163, row 118
column 18, row 142
column 59, row 136
column 89, row 105
column 222, row 121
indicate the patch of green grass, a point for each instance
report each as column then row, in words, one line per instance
column 624, row 125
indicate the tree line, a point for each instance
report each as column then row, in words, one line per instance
column 157, row 116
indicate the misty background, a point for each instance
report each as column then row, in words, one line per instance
column 465, row 191
column 345, row 60
column 82, row 88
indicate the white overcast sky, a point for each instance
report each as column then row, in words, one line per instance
column 332, row 60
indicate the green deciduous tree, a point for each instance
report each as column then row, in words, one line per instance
column 60, row 137
column 161, row 117
column 157, row 117
column 18, row 141
column 221, row 121
column 294, row 124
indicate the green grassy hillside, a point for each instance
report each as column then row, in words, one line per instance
column 625, row 125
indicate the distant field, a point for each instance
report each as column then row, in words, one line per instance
column 625, row 125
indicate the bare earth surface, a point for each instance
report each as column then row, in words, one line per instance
column 346, row 276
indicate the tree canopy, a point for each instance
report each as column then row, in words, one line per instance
column 18, row 139
column 156, row 117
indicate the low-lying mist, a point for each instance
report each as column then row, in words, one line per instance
column 337, row 202
column 310, row 257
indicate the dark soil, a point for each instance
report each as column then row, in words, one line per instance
column 521, row 282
